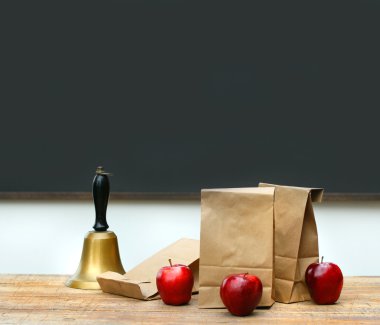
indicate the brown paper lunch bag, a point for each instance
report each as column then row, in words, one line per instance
column 236, row 237
column 140, row 281
column 295, row 240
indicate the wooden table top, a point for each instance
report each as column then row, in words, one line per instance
column 43, row 299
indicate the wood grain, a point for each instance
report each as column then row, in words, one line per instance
column 43, row 299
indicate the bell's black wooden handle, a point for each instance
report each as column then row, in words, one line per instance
column 100, row 192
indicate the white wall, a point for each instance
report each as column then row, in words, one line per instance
column 47, row 237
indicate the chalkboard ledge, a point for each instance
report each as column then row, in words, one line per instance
column 190, row 196
column 84, row 196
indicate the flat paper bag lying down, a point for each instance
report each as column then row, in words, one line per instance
column 140, row 282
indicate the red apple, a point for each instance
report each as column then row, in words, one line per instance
column 241, row 293
column 325, row 282
column 175, row 284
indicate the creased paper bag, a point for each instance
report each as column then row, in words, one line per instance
column 140, row 282
column 295, row 240
column 236, row 237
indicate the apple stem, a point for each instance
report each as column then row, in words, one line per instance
column 322, row 259
column 245, row 274
column 170, row 262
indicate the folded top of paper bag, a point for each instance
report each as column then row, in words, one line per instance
column 316, row 194
column 140, row 282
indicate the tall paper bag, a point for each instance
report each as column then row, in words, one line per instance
column 236, row 237
column 295, row 240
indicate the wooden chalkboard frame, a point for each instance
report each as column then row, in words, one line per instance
column 131, row 196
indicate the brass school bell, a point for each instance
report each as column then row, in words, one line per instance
column 100, row 251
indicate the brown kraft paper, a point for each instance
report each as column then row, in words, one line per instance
column 295, row 240
column 140, row 282
column 236, row 237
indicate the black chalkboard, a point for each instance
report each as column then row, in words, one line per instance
column 178, row 95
